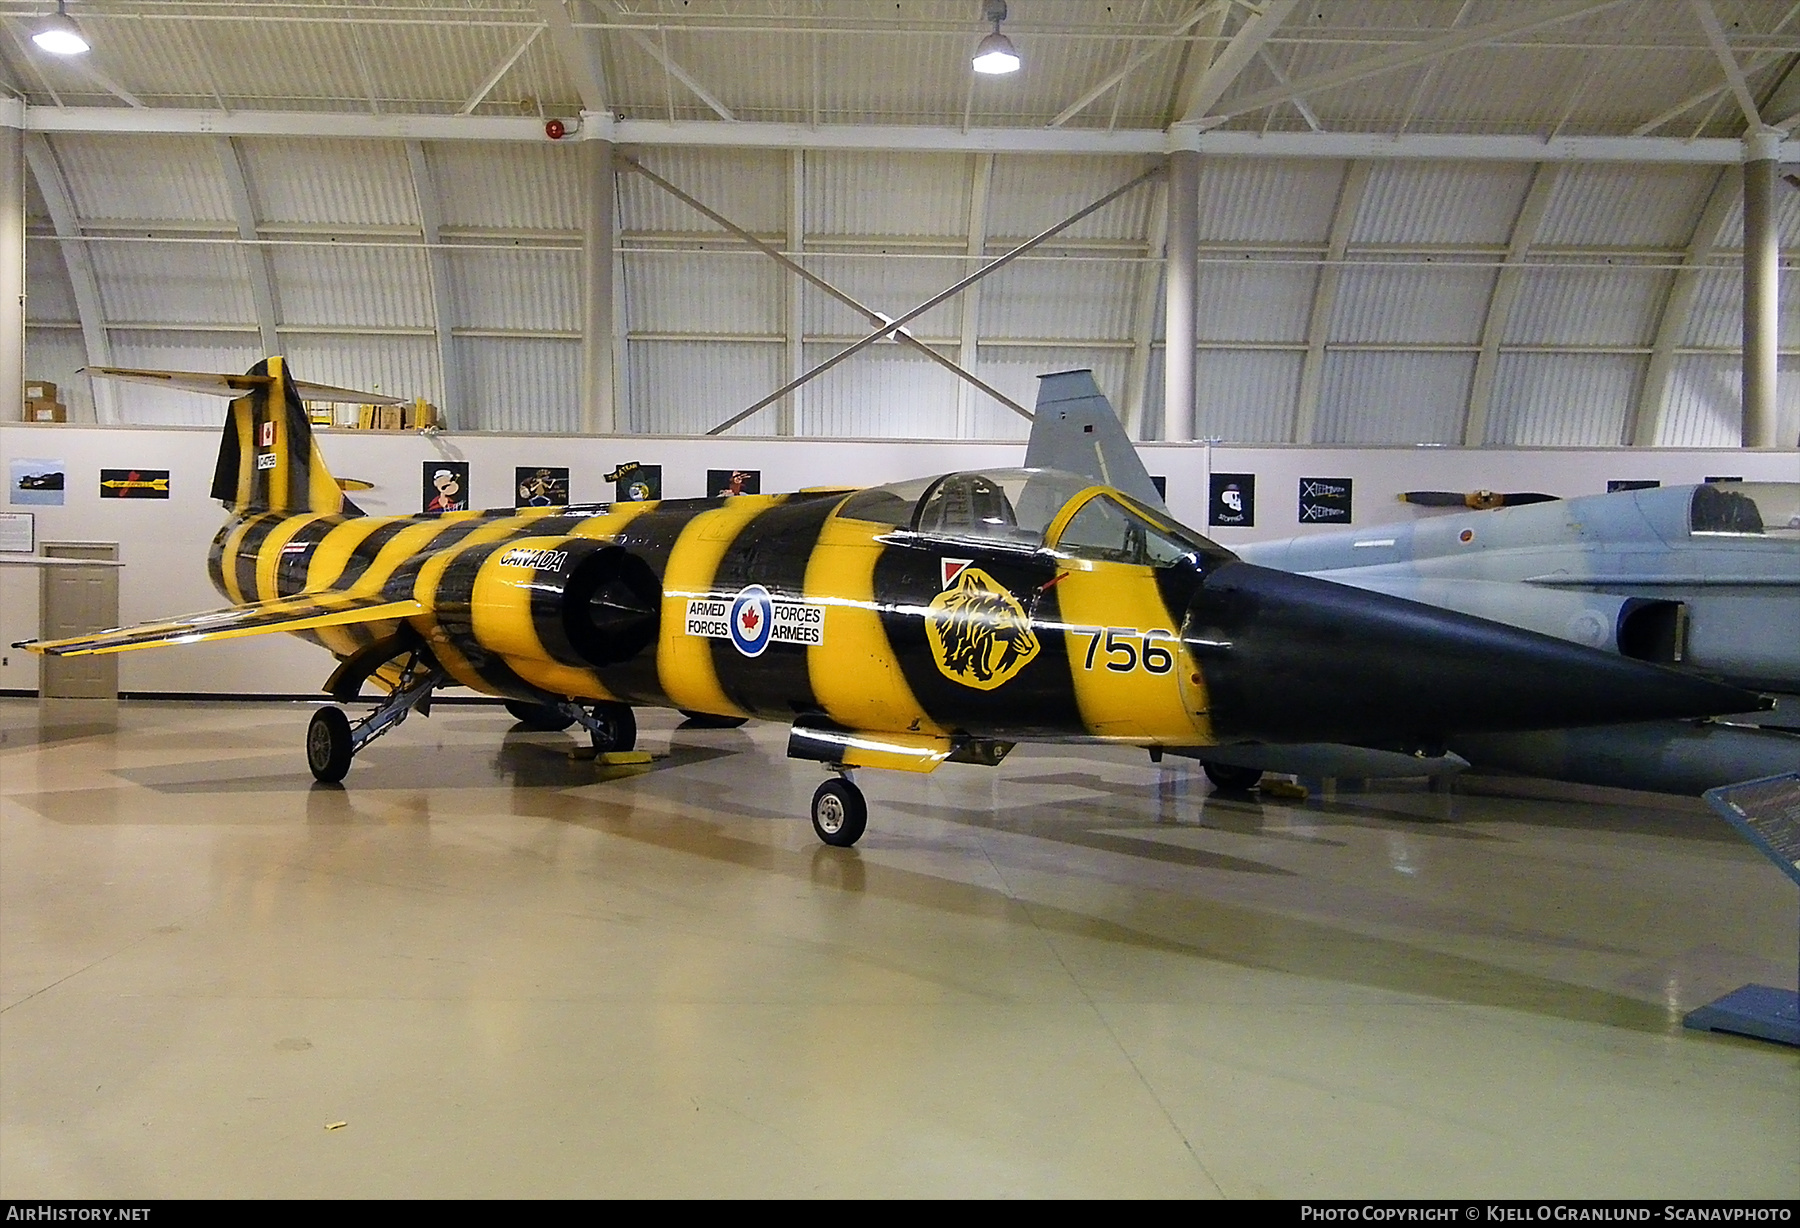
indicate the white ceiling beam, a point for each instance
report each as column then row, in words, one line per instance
column 256, row 257
column 1419, row 53
column 1300, row 103
column 431, row 225
column 580, row 57
column 1149, row 276
column 790, row 414
column 1211, row 85
column 1644, row 427
column 1507, row 284
column 1324, row 303
column 981, row 182
column 655, row 51
column 1734, row 75
column 1124, row 70
column 757, row 135
column 89, row 306
column 500, row 70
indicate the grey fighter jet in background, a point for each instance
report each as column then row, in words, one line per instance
column 1704, row 577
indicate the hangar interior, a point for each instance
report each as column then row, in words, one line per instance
column 1471, row 244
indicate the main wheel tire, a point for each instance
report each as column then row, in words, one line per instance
column 620, row 725
column 839, row 813
column 706, row 720
column 1232, row 779
column 328, row 745
column 540, row 717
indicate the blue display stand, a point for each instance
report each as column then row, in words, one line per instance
column 1766, row 812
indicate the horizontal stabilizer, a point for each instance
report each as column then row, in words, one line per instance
column 236, row 385
column 1077, row 431
column 281, row 614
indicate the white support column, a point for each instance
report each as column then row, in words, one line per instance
column 437, row 263
column 1762, row 256
column 1645, row 426
column 256, row 257
column 1318, row 325
column 981, row 180
column 1182, row 267
column 789, row 414
column 76, row 258
column 599, row 231
column 1143, row 320
column 1500, row 302
column 12, row 258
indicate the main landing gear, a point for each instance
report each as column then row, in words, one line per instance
column 1231, row 779
column 611, row 726
column 332, row 739
column 839, row 811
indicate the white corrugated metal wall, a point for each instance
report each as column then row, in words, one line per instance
column 708, row 327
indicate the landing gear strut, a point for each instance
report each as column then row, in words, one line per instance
column 839, row 812
column 611, row 726
column 332, row 739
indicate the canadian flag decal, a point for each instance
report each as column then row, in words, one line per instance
column 265, row 435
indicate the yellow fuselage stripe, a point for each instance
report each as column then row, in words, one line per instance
column 853, row 673
column 684, row 665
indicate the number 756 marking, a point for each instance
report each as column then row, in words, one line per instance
column 1127, row 649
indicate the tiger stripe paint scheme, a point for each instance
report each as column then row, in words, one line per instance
column 896, row 627
column 471, row 579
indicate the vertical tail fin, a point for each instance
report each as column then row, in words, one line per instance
column 268, row 461
column 1077, row 431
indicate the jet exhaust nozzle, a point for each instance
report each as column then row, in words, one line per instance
column 1290, row 658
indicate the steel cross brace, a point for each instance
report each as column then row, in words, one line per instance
column 891, row 327
column 874, row 317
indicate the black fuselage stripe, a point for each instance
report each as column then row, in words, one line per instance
column 772, row 550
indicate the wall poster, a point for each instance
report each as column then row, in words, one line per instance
column 38, row 482
column 446, row 486
column 636, row 483
column 723, row 482
column 1325, row 500
column 540, row 487
column 134, row 483
column 1233, row 501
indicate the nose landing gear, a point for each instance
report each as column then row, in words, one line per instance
column 839, row 811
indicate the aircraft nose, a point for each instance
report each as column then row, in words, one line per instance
column 1289, row 658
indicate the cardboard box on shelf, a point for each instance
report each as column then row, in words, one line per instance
column 365, row 417
column 40, row 390
column 387, row 417
column 419, row 415
column 40, row 410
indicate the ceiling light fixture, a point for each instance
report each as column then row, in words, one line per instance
column 58, row 34
column 995, row 55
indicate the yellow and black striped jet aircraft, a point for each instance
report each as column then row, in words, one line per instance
column 902, row 626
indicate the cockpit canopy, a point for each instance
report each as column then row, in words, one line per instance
column 1745, row 509
column 1024, row 509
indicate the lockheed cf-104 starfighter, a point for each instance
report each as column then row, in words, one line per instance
column 903, row 626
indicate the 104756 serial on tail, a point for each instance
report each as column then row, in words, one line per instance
column 904, row 626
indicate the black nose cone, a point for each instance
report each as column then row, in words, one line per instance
column 1288, row 658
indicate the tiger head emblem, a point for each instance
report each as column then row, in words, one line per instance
column 979, row 631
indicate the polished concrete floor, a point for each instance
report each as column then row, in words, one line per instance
column 505, row 970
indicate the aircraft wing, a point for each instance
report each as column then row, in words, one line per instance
column 235, row 385
column 259, row 618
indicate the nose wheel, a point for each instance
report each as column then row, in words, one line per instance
column 839, row 813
